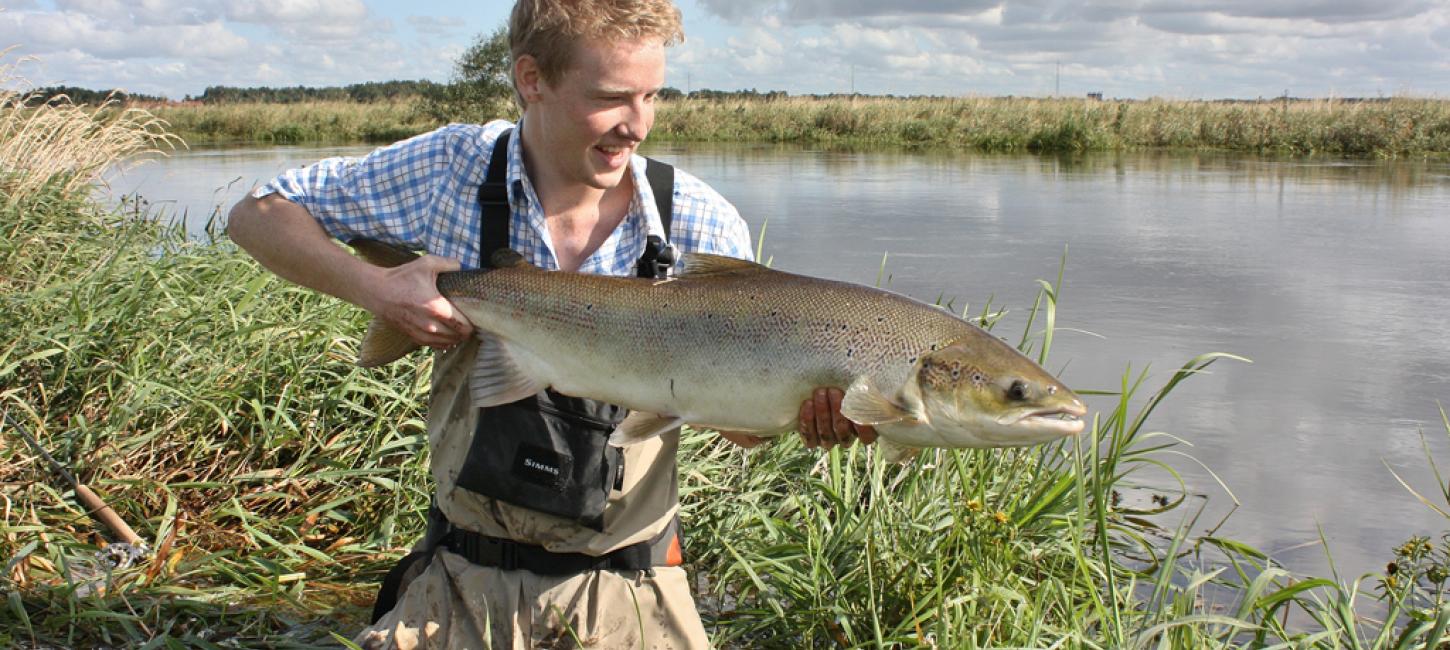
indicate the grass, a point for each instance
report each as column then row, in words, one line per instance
column 217, row 410
column 1399, row 127
column 59, row 143
column 378, row 122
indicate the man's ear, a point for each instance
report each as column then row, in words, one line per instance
column 528, row 78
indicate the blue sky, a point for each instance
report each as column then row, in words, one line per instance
column 1124, row 48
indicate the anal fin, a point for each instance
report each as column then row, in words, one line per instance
column 496, row 377
column 640, row 426
column 896, row 453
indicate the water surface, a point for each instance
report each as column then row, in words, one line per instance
column 1332, row 276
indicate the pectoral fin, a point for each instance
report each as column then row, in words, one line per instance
column 383, row 344
column 863, row 404
column 497, row 379
column 641, row 426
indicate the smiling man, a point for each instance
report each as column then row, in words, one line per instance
column 540, row 533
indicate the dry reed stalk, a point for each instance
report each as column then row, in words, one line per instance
column 60, row 142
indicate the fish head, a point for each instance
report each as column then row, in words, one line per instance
column 982, row 392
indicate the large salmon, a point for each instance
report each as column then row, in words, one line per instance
column 736, row 346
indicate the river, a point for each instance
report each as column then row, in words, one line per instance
column 1332, row 276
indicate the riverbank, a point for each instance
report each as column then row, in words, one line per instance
column 274, row 500
column 1400, row 127
column 217, row 409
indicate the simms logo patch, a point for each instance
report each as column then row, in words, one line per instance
column 542, row 466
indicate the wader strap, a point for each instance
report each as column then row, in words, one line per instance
column 412, row 564
column 493, row 197
column 662, row 182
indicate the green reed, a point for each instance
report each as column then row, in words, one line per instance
column 377, row 122
column 218, row 411
column 1397, row 127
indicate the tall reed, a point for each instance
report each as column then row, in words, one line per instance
column 217, row 409
column 60, row 142
column 379, row 122
column 1396, row 127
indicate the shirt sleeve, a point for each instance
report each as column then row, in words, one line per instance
column 392, row 194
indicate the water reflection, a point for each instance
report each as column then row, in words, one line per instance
column 1330, row 275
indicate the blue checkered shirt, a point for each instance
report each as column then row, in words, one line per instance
column 422, row 193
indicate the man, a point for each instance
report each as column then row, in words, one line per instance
column 513, row 560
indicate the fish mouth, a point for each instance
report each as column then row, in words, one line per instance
column 1066, row 420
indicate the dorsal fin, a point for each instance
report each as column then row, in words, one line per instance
column 504, row 258
column 702, row 264
column 381, row 253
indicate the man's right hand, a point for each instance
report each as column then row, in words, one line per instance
column 407, row 298
column 284, row 237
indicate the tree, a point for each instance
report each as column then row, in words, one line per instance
column 482, row 87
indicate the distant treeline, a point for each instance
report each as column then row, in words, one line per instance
column 363, row 93
column 372, row 91
column 86, row 96
column 376, row 91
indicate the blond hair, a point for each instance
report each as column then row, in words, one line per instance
column 549, row 29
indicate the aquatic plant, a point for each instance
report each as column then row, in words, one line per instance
column 58, row 142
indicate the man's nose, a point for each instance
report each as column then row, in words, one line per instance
column 636, row 120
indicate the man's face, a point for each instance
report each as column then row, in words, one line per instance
column 598, row 112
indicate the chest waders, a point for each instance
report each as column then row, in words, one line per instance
column 547, row 452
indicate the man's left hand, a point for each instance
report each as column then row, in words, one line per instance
column 821, row 424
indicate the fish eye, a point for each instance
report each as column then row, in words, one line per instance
column 1018, row 390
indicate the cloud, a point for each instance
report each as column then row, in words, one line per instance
column 437, row 25
column 50, row 32
column 1187, row 48
column 180, row 47
column 826, row 10
column 273, row 12
column 324, row 22
column 145, row 12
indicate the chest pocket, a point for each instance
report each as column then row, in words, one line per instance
column 548, row 453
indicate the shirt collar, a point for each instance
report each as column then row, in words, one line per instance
column 642, row 208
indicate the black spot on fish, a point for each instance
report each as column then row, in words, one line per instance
column 588, row 307
column 845, row 327
column 848, row 353
column 672, row 387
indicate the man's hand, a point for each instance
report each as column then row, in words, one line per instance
column 407, row 298
column 284, row 237
column 821, row 424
